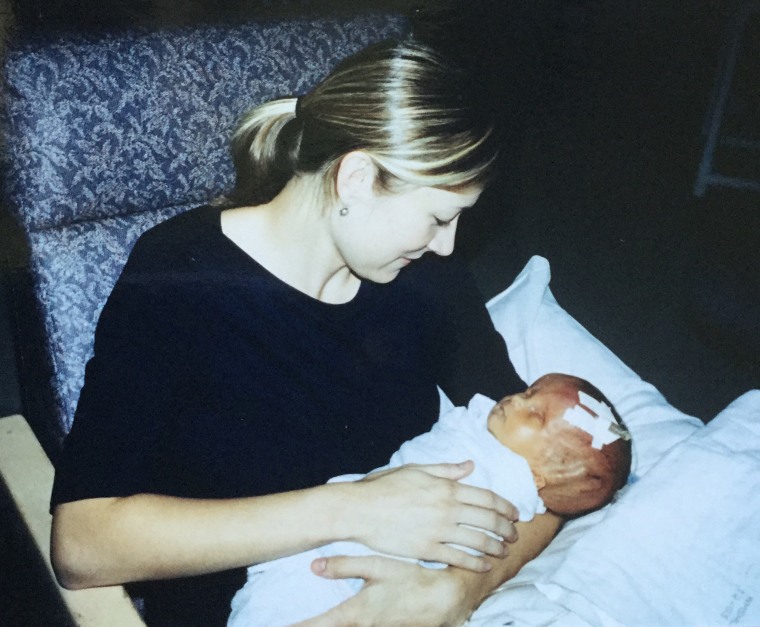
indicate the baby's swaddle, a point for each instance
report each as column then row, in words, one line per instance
column 285, row 591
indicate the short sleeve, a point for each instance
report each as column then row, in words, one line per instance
column 110, row 450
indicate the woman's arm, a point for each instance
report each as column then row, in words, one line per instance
column 399, row 593
column 104, row 541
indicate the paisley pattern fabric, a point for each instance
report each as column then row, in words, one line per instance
column 106, row 135
column 128, row 123
column 74, row 268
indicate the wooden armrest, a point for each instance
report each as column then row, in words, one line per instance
column 28, row 475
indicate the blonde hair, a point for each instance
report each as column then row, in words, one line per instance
column 401, row 102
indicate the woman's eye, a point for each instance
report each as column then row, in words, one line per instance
column 439, row 222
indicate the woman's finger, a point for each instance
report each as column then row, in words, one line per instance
column 457, row 556
column 486, row 520
column 346, row 567
column 468, row 538
column 487, row 500
column 454, row 472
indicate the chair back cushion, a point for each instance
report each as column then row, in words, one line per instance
column 107, row 134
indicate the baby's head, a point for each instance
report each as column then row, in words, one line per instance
column 572, row 438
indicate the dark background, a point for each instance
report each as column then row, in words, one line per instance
column 603, row 108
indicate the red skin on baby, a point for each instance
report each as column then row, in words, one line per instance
column 572, row 477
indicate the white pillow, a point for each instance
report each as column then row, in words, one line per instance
column 542, row 337
column 682, row 546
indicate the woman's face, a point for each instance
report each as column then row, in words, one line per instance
column 384, row 232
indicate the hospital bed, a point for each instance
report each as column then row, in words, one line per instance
column 107, row 134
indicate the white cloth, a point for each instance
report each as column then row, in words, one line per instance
column 285, row 591
column 681, row 545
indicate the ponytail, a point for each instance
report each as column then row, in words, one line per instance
column 265, row 151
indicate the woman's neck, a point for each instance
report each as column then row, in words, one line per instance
column 289, row 236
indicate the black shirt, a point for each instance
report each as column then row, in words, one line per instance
column 211, row 378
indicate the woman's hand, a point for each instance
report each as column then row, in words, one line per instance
column 438, row 597
column 400, row 593
column 419, row 511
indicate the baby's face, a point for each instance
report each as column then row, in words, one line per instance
column 532, row 425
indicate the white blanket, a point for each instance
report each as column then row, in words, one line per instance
column 284, row 591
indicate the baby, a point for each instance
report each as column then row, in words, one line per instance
column 559, row 446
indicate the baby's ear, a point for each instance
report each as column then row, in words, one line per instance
column 581, row 485
column 575, row 497
column 540, row 480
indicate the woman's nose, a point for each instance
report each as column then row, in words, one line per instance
column 443, row 240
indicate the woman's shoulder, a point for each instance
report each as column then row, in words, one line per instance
column 175, row 239
column 182, row 227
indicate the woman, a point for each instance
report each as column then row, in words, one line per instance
column 252, row 350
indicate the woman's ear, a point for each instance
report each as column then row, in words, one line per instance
column 356, row 177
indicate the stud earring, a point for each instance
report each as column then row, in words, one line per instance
column 343, row 211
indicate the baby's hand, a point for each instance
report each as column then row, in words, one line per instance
column 418, row 511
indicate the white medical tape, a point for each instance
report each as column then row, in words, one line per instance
column 602, row 410
column 603, row 427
